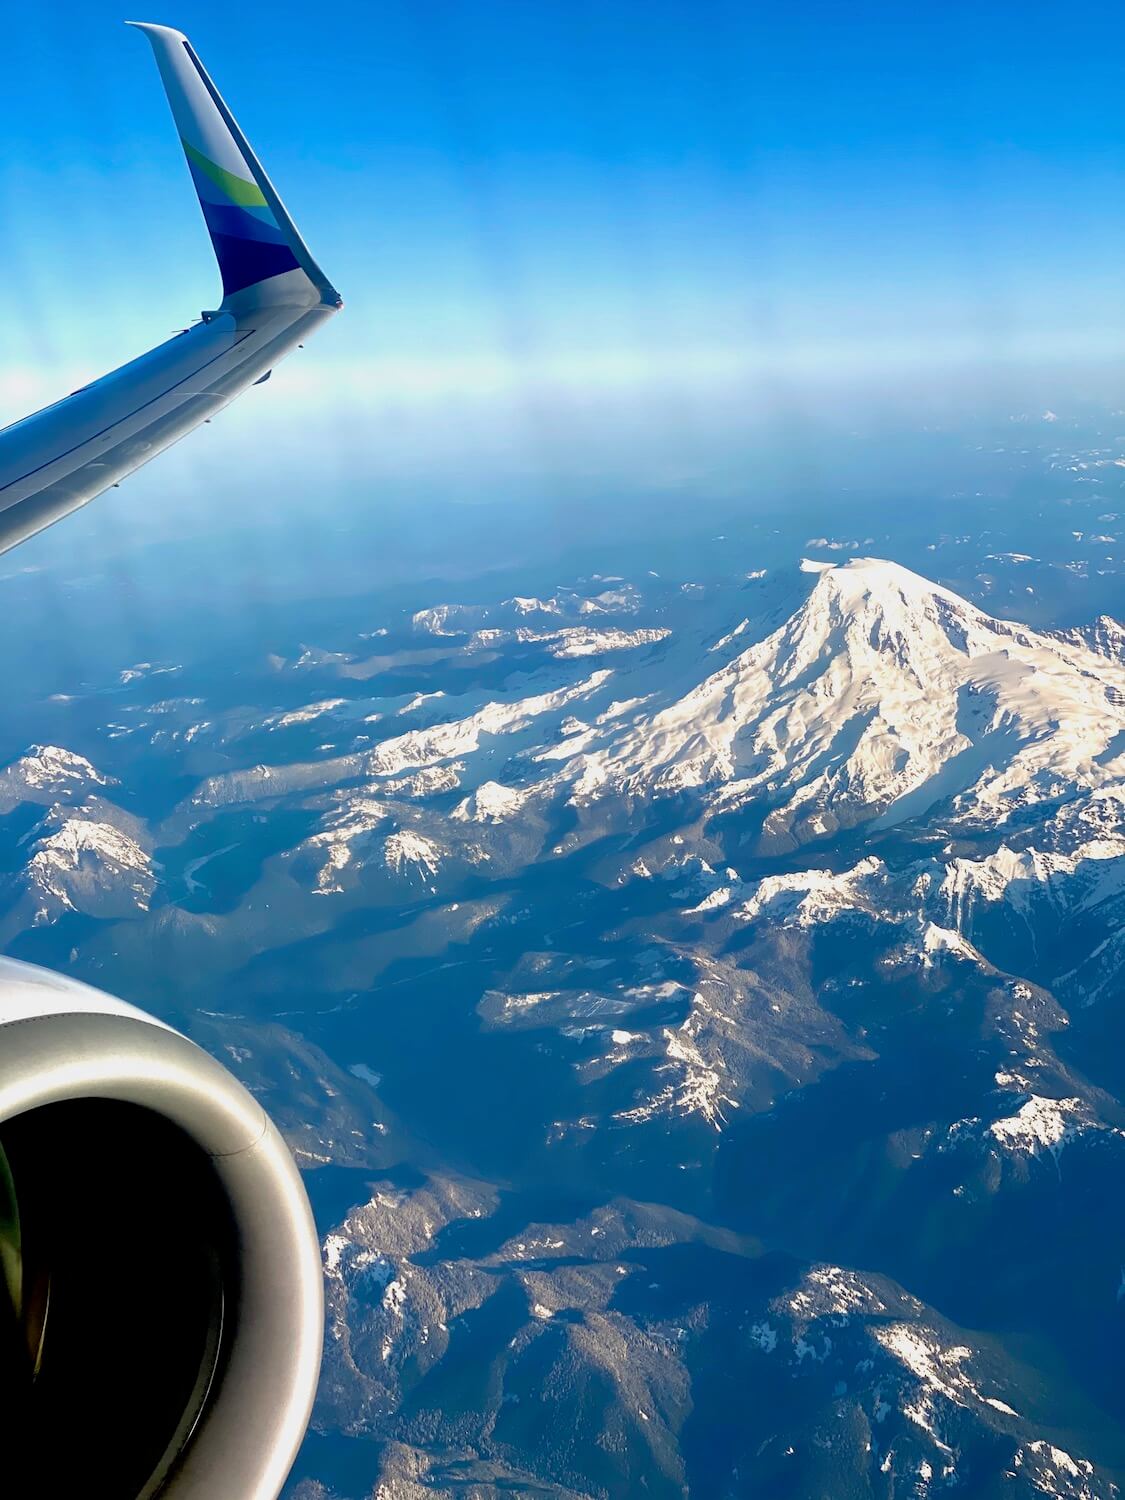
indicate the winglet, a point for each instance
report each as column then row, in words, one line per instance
column 255, row 240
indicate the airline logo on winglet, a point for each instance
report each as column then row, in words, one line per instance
column 249, row 246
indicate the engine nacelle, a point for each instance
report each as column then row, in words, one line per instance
column 161, row 1300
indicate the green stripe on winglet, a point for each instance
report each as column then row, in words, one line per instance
column 238, row 190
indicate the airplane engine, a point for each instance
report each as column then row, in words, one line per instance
column 161, row 1305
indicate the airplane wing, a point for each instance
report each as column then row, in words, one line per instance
column 274, row 296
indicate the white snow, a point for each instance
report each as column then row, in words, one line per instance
column 458, row 737
column 1049, row 1468
column 719, row 897
column 937, row 939
column 490, row 803
column 532, row 606
column 935, row 1366
column 619, row 707
column 1042, row 1124
column 1001, row 1406
column 426, row 783
column 805, row 897
column 732, row 635
column 832, row 1291
column 577, row 641
column 84, row 854
column 48, row 768
column 145, row 669
column 307, row 714
column 346, row 827
column 411, row 853
column 696, row 1084
column 417, row 701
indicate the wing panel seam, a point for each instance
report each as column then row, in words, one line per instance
column 128, row 415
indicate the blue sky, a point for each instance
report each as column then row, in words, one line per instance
column 540, row 203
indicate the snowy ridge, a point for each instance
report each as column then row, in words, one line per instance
column 1040, row 1126
column 409, row 853
column 424, row 750
column 45, row 773
column 832, row 1291
column 583, row 641
column 571, row 642
column 348, row 825
column 923, row 1384
column 306, row 714
column 1053, row 1471
column 697, row 1079
column 429, row 782
column 938, row 1372
column 461, row 737
column 939, row 905
column 490, row 803
column 806, row 897
column 85, row 862
column 567, row 604
column 1106, row 636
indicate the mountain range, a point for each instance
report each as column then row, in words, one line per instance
column 698, row 1012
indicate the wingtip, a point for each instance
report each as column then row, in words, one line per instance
column 153, row 28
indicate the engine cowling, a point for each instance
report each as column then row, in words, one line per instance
column 161, row 1301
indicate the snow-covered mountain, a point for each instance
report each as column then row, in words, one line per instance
column 93, row 858
column 881, row 697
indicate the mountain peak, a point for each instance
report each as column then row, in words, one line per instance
column 875, row 579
